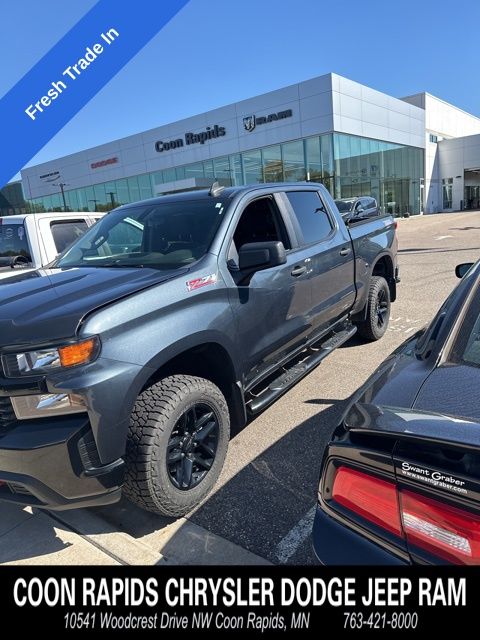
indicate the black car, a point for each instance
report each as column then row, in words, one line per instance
column 358, row 208
column 400, row 481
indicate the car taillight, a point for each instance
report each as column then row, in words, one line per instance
column 395, row 225
column 368, row 496
column 448, row 532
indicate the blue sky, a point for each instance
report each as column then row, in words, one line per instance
column 215, row 52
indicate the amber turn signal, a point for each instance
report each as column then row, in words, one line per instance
column 77, row 353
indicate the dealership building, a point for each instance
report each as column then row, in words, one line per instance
column 416, row 154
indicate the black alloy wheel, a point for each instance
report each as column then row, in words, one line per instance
column 192, row 446
column 377, row 311
column 382, row 308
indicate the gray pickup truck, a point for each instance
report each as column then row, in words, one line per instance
column 125, row 362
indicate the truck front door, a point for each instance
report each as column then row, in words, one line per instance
column 272, row 309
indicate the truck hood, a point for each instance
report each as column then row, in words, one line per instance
column 44, row 305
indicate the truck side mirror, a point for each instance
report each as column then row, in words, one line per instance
column 20, row 261
column 255, row 256
column 461, row 269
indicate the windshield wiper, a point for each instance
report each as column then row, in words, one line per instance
column 118, row 265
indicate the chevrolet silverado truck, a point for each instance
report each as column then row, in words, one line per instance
column 126, row 361
column 30, row 241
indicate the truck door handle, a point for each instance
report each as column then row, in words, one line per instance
column 345, row 251
column 298, row 270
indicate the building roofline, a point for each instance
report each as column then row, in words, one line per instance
column 453, row 106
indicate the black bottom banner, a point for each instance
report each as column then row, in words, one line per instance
column 265, row 601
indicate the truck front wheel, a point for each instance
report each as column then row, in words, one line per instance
column 378, row 310
column 176, row 445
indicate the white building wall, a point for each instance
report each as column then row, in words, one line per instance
column 455, row 157
column 362, row 111
column 445, row 121
column 320, row 105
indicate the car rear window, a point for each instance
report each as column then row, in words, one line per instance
column 343, row 207
column 13, row 242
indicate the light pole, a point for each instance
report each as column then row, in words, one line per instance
column 112, row 199
column 95, row 202
column 62, row 185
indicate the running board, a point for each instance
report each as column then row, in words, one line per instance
column 311, row 357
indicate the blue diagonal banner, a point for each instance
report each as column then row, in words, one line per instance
column 72, row 72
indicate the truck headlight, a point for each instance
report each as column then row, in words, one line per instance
column 44, row 360
column 47, row 405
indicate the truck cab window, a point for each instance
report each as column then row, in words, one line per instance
column 311, row 214
column 64, row 233
column 260, row 222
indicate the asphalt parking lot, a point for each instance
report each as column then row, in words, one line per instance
column 262, row 508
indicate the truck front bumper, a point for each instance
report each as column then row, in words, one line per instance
column 54, row 464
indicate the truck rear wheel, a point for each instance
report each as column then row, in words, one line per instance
column 378, row 310
column 176, row 445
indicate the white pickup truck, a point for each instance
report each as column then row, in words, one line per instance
column 33, row 240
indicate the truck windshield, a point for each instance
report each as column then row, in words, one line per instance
column 161, row 236
column 13, row 242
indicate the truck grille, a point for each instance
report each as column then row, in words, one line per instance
column 7, row 416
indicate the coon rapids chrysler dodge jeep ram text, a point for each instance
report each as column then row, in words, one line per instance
column 125, row 361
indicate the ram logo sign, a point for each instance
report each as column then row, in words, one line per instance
column 250, row 122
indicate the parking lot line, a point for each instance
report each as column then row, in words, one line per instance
column 288, row 545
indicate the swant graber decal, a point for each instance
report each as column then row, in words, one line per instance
column 431, row 477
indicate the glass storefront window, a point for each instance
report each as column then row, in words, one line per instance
column 180, row 173
column 347, row 165
column 252, row 167
column 221, row 167
column 157, row 177
column 145, row 188
column 169, row 175
column 236, row 169
column 133, row 189
column 73, row 200
column 293, row 161
column 111, row 195
column 82, row 200
column 272, row 164
column 208, row 169
column 122, row 191
column 314, row 159
column 388, row 172
column 194, row 170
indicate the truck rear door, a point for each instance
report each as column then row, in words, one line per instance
column 331, row 257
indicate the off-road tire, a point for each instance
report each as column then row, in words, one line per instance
column 378, row 293
column 155, row 414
